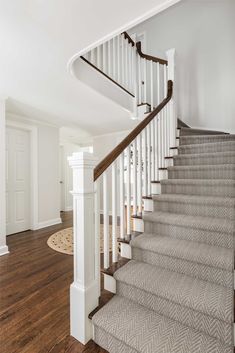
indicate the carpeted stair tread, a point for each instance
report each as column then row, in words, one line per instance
column 196, row 205
column 200, row 253
column 198, row 222
column 207, row 147
column 207, row 171
column 123, row 326
column 198, row 139
column 202, row 296
column 184, row 131
column 207, row 187
column 201, row 200
column 205, row 158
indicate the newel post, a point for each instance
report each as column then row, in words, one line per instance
column 172, row 109
column 84, row 289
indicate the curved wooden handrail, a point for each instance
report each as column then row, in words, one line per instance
column 112, row 156
column 149, row 57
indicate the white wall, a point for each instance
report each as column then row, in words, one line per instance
column 48, row 171
column 3, row 247
column 202, row 32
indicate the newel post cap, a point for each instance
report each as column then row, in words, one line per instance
column 82, row 160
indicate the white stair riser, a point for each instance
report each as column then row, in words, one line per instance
column 163, row 174
column 156, row 188
column 173, row 152
column 169, row 162
column 177, row 143
column 138, row 225
column 126, row 251
column 110, row 283
column 177, row 132
column 148, row 205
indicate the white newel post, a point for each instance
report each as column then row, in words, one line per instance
column 84, row 289
column 172, row 111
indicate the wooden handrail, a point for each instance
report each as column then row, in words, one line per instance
column 112, row 156
column 130, row 40
column 149, row 57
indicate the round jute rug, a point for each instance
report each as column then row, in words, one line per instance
column 62, row 241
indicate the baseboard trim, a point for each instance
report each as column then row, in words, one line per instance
column 4, row 250
column 44, row 224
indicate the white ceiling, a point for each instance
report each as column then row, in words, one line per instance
column 37, row 39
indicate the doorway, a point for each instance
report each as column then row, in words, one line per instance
column 17, row 180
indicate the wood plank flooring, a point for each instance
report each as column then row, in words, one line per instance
column 34, row 295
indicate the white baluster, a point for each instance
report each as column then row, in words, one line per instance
column 158, row 83
column 126, row 64
column 84, row 290
column 118, row 60
column 145, row 81
column 109, row 59
column 99, row 57
column 135, row 80
column 128, row 192
column 97, row 233
column 153, row 150
column 151, row 85
column 122, row 202
column 165, row 115
column 144, row 135
column 134, row 178
column 93, row 56
column 114, row 213
column 114, row 58
column 106, row 220
column 123, row 60
column 104, row 58
column 156, row 148
column 139, row 173
column 139, row 81
column 130, row 61
column 149, row 159
column 172, row 113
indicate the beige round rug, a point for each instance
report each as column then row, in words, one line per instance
column 62, row 241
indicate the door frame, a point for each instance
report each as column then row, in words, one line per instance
column 33, row 138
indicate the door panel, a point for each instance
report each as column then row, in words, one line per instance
column 17, row 180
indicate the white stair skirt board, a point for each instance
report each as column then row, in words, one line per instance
column 44, row 224
column 156, row 188
column 126, row 251
column 109, row 283
column 4, row 250
column 148, row 205
column 138, row 225
column 163, row 174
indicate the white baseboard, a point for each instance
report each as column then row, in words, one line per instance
column 4, row 250
column 44, row 224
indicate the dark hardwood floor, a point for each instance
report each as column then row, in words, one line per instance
column 34, row 295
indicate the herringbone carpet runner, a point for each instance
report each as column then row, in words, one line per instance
column 176, row 294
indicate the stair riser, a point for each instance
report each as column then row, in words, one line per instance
column 190, row 140
column 148, row 205
column 156, row 188
column 226, row 173
column 193, row 269
column 109, row 342
column 188, row 233
column 138, row 225
column 163, row 174
column 213, row 160
column 211, row 148
column 173, row 152
column 185, row 315
column 203, row 190
column 195, row 209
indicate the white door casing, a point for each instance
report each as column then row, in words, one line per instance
column 17, row 180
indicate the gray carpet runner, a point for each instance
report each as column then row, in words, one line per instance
column 176, row 294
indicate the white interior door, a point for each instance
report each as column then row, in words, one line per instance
column 17, row 180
